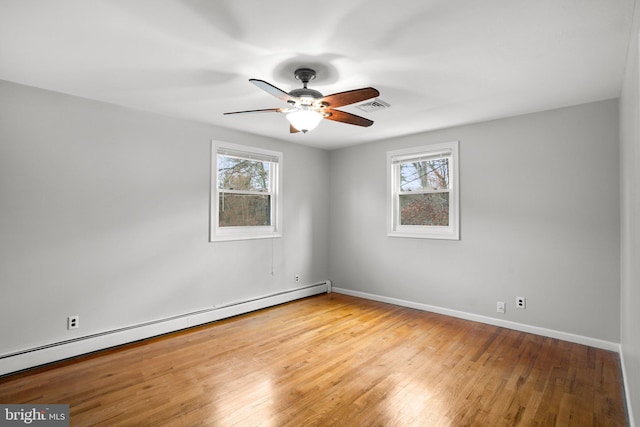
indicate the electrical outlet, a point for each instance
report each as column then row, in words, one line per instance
column 501, row 307
column 297, row 278
column 521, row 302
column 73, row 322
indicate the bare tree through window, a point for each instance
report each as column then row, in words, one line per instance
column 244, row 199
column 429, row 179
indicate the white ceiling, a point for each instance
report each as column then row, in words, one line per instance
column 439, row 63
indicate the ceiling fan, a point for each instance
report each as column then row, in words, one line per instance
column 308, row 106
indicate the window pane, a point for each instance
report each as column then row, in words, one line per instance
column 430, row 174
column 244, row 210
column 424, row 209
column 242, row 174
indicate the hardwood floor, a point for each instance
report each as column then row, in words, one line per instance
column 335, row 360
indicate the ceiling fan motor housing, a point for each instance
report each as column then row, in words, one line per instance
column 306, row 93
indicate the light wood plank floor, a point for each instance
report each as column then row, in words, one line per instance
column 335, row 360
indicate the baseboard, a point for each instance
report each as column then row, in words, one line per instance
column 627, row 391
column 565, row 336
column 30, row 358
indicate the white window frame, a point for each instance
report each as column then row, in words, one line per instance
column 218, row 233
column 394, row 158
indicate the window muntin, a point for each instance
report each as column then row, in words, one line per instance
column 423, row 192
column 245, row 196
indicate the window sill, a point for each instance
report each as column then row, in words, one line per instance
column 248, row 236
column 424, row 235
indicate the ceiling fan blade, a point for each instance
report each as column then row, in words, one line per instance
column 344, row 117
column 266, row 110
column 292, row 129
column 269, row 88
column 350, row 97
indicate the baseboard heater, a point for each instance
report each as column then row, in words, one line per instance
column 53, row 352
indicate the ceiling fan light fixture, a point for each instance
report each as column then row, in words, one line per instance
column 304, row 120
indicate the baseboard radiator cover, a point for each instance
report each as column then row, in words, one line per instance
column 54, row 352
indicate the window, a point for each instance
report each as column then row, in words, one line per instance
column 423, row 192
column 245, row 192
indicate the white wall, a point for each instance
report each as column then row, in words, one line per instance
column 630, row 227
column 104, row 214
column 539, row 219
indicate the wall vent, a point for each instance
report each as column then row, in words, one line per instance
column 375, row 105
